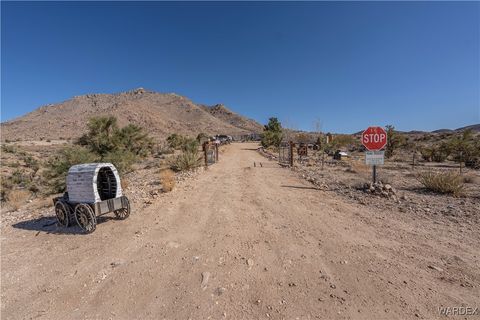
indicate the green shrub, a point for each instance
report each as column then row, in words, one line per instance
column 122, row 147
column 340, row 141
column 465, row 147
column 121, row 159
column 8, row 149
column 57, row 166
column 6, row 187
column 190, row 145
column 394, row 141
column 175, row 141
column 435, row 154
column 102, row 136
column 134, row 140
column 442, row 182
column 202, row 137
column 31, row 163
column 186, row 161
column 18, row 177
column 272, row 133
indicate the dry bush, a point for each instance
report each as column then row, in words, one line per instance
column 167, row 179
column 358, row 167
column 43, row 203
column 16, row 198
column 272, row 149
column 471, row 178
column 442, row 182
column 124, row 184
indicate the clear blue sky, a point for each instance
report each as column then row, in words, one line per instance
column 351, row 64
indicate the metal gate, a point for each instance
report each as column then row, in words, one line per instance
column 285, row 154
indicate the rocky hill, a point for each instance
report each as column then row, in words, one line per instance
column 160, row 114
column 473, row 127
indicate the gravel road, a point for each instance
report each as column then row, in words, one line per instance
column 243, row 242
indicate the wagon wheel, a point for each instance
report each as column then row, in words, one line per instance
column 123, row 213
column 85, row 217
column 63, row 213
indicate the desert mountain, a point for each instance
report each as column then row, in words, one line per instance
column 160, row 114
column 473, row 127
column 223, row 113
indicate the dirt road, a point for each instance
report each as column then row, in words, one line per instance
column 242, row 242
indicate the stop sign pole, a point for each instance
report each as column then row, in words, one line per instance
column 374, row 139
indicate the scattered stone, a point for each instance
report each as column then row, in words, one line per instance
column 116, row 264
column 250, row 262
column 173, row 244
column 435, row 268
column 219, row 291
column 205, row 278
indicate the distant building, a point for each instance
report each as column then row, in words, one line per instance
column 329, row 137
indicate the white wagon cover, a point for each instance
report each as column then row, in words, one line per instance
column 82, row 182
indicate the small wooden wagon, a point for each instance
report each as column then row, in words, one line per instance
column 93, row 189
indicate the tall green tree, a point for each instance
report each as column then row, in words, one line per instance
column 272, row 133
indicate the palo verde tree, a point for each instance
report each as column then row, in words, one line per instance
column 272, row 133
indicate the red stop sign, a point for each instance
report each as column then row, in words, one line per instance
column 374, row 138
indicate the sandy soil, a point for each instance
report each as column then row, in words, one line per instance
column 242, row 242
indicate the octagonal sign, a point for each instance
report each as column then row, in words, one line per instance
column 374, row 138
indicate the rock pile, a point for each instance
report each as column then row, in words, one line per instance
column 378, row 188
column 319, row 184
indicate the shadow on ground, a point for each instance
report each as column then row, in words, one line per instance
column 49, row 225
column 300, row 187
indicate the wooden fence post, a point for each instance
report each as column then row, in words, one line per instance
column 291, row 153
column 205, row 153
column 216, row 152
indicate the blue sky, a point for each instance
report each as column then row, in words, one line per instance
column 350, row 64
